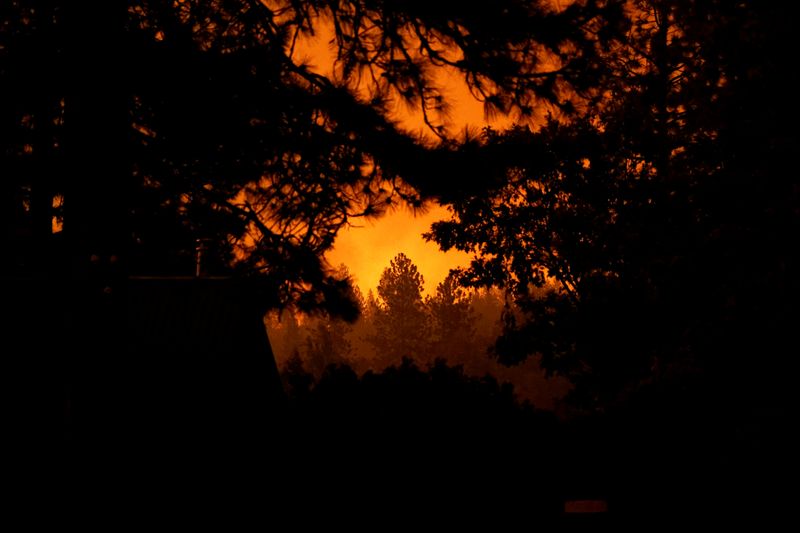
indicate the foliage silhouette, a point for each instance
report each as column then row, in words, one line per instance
column 452, row 321
column 210, row 127
column 407, row 436
column 645, row 240
column 401, row 321
column 145, row 128
column 644, row 232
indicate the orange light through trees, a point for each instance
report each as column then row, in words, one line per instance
column 367, row 249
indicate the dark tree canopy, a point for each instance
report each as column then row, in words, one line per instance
column 145, row 126
column 643, row 231
column 452, row 322
column 647, row 241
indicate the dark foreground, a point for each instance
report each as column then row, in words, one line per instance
column 186, row 437
column 406, row 448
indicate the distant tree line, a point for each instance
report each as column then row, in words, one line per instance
column 398, row 322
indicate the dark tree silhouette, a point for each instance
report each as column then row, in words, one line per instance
column 645, row 233
column 401, row 321
column 206, row 125
column 147, row 127
column 645, row 242
column 328, row 344
column 452, row 322
column 455, row 438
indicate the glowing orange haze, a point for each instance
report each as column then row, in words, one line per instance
column 367, row 250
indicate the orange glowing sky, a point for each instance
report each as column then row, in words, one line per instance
column 368, row 249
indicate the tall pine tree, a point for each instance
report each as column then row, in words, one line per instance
column 401, row 321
